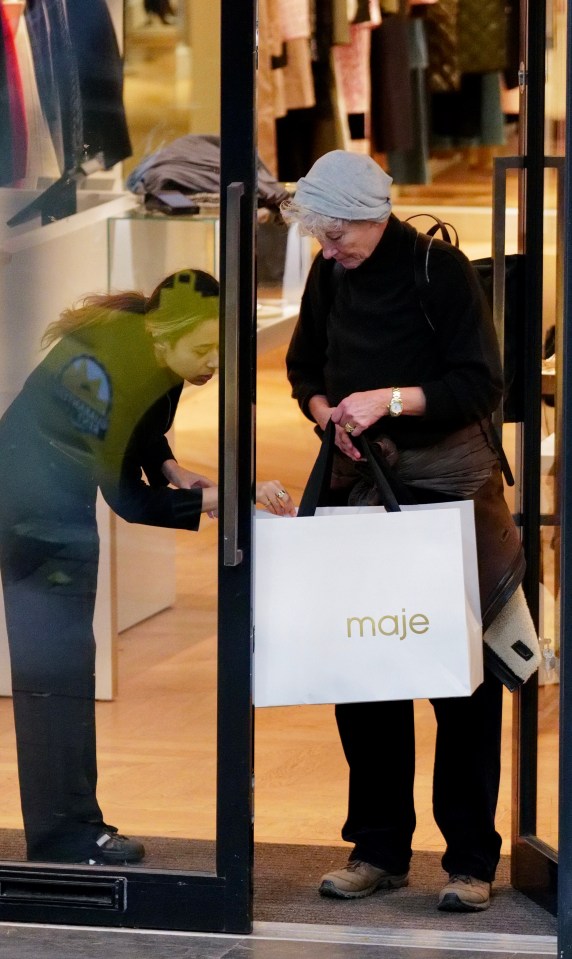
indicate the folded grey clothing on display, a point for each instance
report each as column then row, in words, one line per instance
column 511, row 646
column 191, row 164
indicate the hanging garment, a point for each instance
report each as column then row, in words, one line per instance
column 465, row 36
column 294, row 143
column 352, row 67
column 391, row 105
column 270, row 103
column 14, row 135
column 331, row 26
column 57, row 77
column 512, row 45
column 412, row 166
column 298, row 79
column 100, row 71
column 294, row 19
column 362, row 13
column 482, row 36
column 471, row 116
column 444, row 71
column 41, row 158
column 340, row 23
column 296, row 31
column 5, row 116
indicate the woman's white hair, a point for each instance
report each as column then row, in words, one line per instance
column 314, row 224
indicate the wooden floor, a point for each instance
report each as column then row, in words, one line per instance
column 157, row 740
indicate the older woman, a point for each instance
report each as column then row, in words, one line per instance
column 423, row 386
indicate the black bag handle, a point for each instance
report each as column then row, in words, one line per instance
column 442, row 226
column 318, row 483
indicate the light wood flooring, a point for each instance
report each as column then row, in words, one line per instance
column 157, row 739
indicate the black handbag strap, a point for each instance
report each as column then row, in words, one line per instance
column 316, row 490
column 438, row 226
column 421, row 271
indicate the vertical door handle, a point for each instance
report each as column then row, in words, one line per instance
column 232, row 555
column 501, row 166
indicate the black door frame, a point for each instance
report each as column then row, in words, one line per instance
column 179, row 900
column 533, row 863
column 565, row 798
column 543, row 873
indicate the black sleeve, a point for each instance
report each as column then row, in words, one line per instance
column 149, row 446
column 152, row 503
column 306, row 354
column 471, row 382
column 136, row 502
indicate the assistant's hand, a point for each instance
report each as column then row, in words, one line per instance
column 183, row 478
column 272, row 495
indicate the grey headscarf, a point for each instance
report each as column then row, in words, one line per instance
column 345, row 186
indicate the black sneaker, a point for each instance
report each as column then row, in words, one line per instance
column 112, row 849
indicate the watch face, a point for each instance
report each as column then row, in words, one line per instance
column 395, row 407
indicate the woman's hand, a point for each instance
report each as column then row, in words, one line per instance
column 272, row 495
column 321, row 411
column 360, row 410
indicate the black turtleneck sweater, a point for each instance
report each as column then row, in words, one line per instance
column 365, row 329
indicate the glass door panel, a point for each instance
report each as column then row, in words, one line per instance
column 549, row 586
column 551, row 426
column 536, row 823
column 118, row 596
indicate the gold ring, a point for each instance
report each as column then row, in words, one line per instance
column 281, row 493
column 349, row 428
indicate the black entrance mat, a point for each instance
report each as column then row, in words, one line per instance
column 286, row 879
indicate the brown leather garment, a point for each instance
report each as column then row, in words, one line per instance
column 499, row 550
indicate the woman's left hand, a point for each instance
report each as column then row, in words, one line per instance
column 272, row 495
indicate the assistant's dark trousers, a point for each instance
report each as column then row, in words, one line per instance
column 379, row 744
column 49, row 597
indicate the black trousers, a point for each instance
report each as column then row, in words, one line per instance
column 379, row 745
column 49, row 595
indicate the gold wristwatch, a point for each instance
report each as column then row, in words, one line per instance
column 395, row 406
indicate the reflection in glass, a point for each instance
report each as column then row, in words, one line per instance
column 94, row 413
column 549, row 625
column 549, row 673
column 79, row 106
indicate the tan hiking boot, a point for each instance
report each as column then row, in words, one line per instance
column 464, row 894
column 359, row 879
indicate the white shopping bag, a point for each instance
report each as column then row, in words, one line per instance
column 356, row 604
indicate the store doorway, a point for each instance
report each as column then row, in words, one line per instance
column 70, row 229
